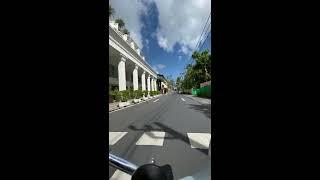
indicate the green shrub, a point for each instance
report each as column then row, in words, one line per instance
column 124, row 95
column 138, row 94
column 145, row 92
column 152, row 93
column 117, row 96
column 129, row 94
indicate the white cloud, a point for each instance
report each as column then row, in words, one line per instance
column 181, row 23
column 163, row 42
column 184, row 49
column 147, row 43
column 161, row 66
column 130, row 11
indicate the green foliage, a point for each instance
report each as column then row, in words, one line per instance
column 130, row 93
column 125, row 31
column 117, row 95
column 111, row 11
column 198, row 73
column 120, row 23
column 145, row 92
column 137, row 94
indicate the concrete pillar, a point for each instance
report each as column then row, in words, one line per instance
column 155, row 85
column 148, row 82
column 143, row 81
column 122, row 73
column 151, row 83
column 135, row 78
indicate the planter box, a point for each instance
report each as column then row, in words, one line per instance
column 136, row 100
column 124, row 104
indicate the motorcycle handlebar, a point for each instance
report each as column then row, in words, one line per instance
column 122, row 164
column 147, row 171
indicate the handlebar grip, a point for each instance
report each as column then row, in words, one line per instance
column 153, row 172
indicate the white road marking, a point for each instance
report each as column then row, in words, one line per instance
column 156, row 100
column 199, row 140
column 154, row 138
column 183, row 99
column 114, row 137
column 119, row 175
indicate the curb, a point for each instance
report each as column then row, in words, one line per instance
column 132, row 104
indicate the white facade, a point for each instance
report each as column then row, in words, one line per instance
column 127, row 66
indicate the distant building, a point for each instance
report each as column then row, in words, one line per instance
column 162, row 84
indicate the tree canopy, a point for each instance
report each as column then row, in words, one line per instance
column 197, row 73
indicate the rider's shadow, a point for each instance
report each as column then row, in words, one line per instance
column 173, row 134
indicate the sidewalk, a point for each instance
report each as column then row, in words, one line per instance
column 199, row 99
column 113, row 106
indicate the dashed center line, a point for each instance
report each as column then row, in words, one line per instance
column 183, row 99
column 156, row 100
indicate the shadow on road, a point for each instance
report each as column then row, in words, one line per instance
column 203, row 108
column 174, row 134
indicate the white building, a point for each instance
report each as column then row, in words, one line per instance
column 128, row 68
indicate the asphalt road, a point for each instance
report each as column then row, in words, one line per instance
column 172, row 116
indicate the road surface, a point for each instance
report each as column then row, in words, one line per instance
column 173, row 129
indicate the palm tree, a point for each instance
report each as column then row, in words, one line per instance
column 120, row 23
column 111, row 11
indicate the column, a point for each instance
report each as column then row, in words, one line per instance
column 155, row 85
column 148, row 82
column 143, row 81
column 135, row 78
column 152, row 84
column 122, row 73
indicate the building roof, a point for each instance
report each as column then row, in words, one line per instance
column 160, row 76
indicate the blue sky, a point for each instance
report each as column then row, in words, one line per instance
column 166, row 30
